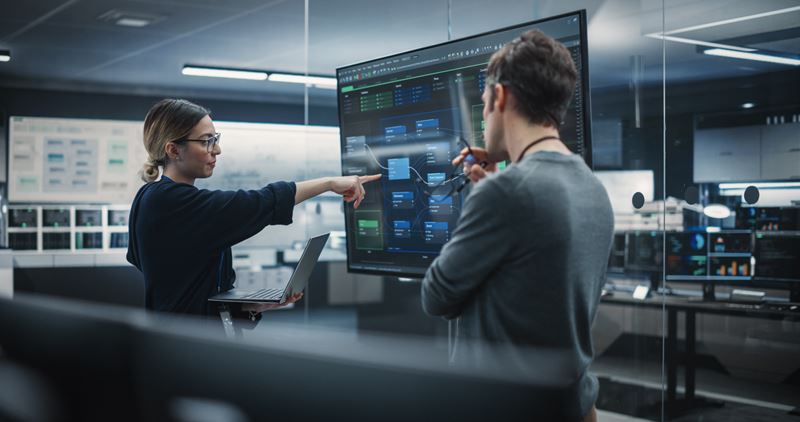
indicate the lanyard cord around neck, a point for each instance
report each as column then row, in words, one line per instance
column 530, row 145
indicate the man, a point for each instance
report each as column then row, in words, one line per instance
column 527, row 261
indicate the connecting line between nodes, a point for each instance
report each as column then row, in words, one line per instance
column 374, row 157
column 421, row 179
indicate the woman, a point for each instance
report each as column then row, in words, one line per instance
column 181, row 236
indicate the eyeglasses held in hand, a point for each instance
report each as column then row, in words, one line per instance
column 456, row 180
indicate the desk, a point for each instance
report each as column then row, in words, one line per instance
column 674, row 304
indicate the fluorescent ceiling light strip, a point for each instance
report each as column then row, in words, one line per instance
column 752, row 56
column 133, row 22
column 5, row 57
column 325, row 86
column 319, row 81
column 224, row 73
column 731, row 192
column 734, row 20
column 698, row 42
column 765, row 185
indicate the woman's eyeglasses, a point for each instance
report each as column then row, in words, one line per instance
column 209, row 143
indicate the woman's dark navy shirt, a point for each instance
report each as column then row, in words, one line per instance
column 181, row 238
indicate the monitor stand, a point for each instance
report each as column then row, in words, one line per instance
column 709, row 295
column 655, row 282
column 794, row 293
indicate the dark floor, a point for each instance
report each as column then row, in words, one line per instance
column 710, row 383
column 645, row 402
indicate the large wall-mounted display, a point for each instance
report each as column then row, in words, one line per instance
column 74, row 160
column 86, row 161
column 406, row 116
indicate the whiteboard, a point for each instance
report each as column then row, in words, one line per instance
column 57, row 160
column 621, row 185
column 256, row 154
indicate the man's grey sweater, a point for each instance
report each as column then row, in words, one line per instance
column 526, row 264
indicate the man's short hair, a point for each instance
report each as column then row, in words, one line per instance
column 540, row 74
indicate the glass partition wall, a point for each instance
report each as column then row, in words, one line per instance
column 626, row 67
column 733, row 164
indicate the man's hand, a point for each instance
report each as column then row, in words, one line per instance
column 351, row 187
column 261, row 307
column 476, row 165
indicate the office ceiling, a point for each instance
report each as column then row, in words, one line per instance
column 63, row 43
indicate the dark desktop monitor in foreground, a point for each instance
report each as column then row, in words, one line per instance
column 107, row 363
column 407, row 116
column 85, row 357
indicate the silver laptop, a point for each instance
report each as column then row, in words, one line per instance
column 297, row 282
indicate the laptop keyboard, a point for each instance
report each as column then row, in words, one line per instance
column 265, row 294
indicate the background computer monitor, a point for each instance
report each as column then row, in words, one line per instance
column 730, row 255
column 768, row 218
column 88, row 218
column 777, row 257
column 723, row 256
column 55, row 217
column 687, row 255
column 22, row 217
column 405, row 116
column 644, row 251
column 616, row 259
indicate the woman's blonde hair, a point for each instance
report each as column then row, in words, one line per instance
column 168, row 120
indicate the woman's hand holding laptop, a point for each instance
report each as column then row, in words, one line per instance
column 261, row 307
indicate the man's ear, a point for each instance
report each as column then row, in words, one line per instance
column 500, row 97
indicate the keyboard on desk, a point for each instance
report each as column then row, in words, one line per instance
column 265, row 294
column 736, row 305
column 784, row 306
column 771, row 306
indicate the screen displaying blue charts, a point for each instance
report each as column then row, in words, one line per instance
column 405, row 116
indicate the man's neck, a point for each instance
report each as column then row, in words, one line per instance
column 522, row 134
column 177, row 177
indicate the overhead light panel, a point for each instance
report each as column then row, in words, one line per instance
column 5, row 55
column 213, row 72
column 752, row 56
column 317, row 81
column 658, row 35
column 734, row 20
column 133, row 22
column 129, row 19
column 260, row 75
column 748, row 105
column 669, row 35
